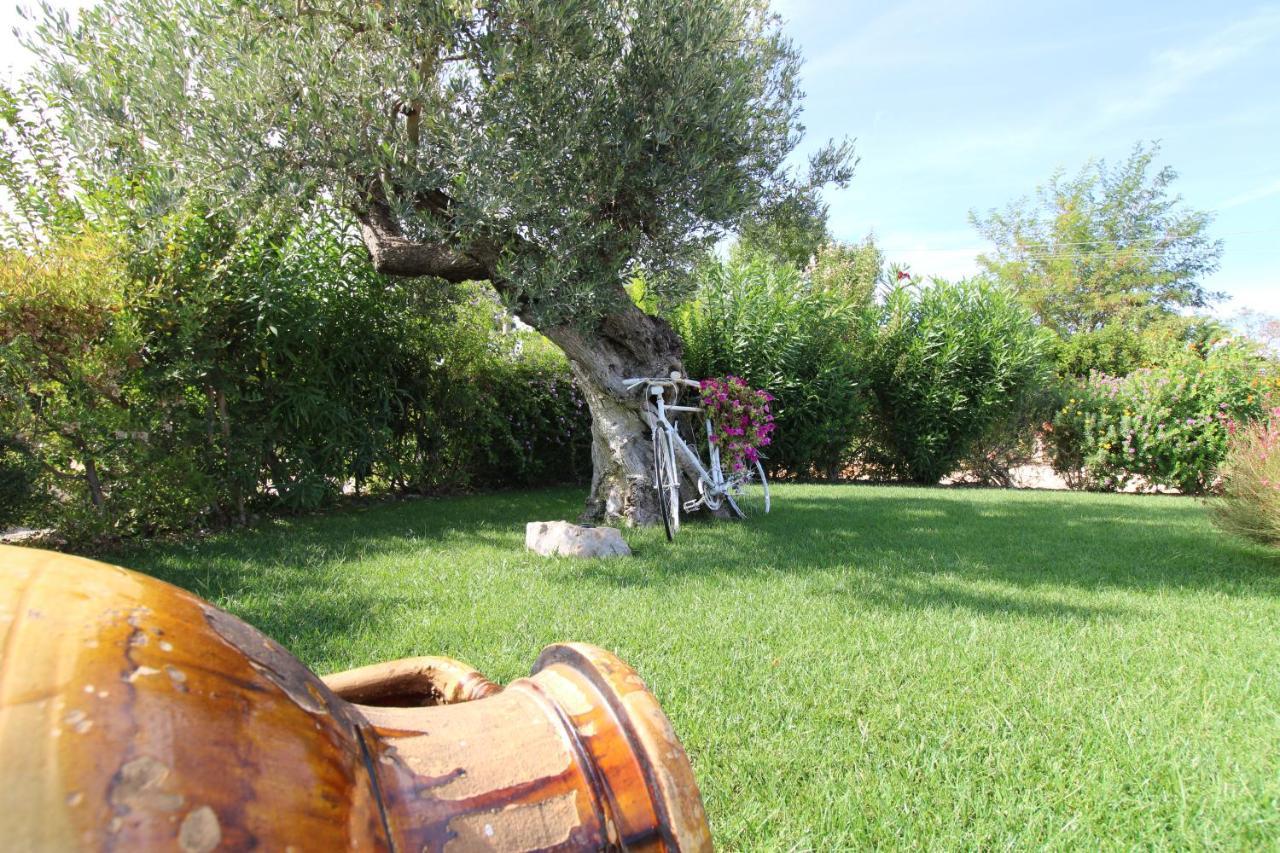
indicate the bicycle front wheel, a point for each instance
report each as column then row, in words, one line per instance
column 667, row 480
column 748, row 492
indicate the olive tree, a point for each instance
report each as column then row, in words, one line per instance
column 554, row 148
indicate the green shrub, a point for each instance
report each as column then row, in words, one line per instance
column 325, row 375
column 1114, row 349
column 1119, row 348
column 1011, row 442
column 67, row 348
column 851, row 270
column 762, row 320
column 1250, row 502
column 1163, row 426
column 494, row 409
column 948, row 364
column 18, row 473
column 196, row 382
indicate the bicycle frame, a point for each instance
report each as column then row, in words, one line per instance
column 710, row 477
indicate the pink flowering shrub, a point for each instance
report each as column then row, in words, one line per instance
column 1163, row 426
column 741, row 421
column 1250, row 503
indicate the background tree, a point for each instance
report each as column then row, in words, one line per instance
column 1259, row 327
column 853, row 270
column 551, row 148
column 1108, row 245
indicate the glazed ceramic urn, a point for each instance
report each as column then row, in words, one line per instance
column 135, row 716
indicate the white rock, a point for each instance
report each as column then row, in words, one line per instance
column 550, row 538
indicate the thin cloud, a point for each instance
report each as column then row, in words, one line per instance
column 900, row 35
column 1175, row 70
column 1250, row 196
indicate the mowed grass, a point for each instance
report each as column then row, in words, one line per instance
column 917, row 668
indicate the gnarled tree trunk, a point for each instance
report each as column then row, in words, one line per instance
column 627, row 343
column 623, row 344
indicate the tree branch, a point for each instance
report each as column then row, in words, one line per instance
column 395, row 254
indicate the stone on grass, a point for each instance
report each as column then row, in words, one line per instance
column 550, row 538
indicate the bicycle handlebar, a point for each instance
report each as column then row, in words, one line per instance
column 657, row 380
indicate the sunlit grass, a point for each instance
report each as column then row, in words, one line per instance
column 867, row 666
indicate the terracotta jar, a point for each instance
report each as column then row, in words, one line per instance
column 134, row 715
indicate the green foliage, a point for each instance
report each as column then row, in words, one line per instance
column 67, row 347
column 1114, row 349
column 853, row 270
column 1162, row 426
column 1107, row 245
column 18, row 473
column 948, row 362
column 1012, row 441
column 36, row 182
column 1118, row 348
column 1250, row 502
column 760, row 319
column 216, row 374
column 791, row 234
column 563, row 143
column 523, row 421
column 907, row 388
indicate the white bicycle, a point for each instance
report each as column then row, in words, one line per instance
column 746, row 491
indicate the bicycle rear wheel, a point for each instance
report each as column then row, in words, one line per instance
column 667, row 480
column 748, row 492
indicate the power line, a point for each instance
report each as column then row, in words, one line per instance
column 1052, row 247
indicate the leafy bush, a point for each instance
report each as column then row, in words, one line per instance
column 529, row 424
column 1011, row 442
column 948, row 363
column 1250, row 503
column 852, row 270
column 760, row 319
column 213, row 376
column 1119, row 348
column 18, row 473
column 67, row 346
column 1114, row 349
column 1163, row 426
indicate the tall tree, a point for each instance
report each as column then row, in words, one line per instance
column 551, row 147
column 1107, row 245
column 853, row 270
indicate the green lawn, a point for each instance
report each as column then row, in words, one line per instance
column 917, row 668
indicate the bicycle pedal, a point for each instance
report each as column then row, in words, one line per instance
column 692, row 506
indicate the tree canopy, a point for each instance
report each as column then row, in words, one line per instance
column 1108, row 244
column 555, row 148
column 550, row 146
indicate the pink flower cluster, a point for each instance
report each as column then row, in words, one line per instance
column 741, row 422
column 1269, row 432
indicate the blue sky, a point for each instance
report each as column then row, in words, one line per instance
column 964, row 104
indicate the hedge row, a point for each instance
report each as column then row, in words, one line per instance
column 213, row 377
column 932, row 379
column 903, row 387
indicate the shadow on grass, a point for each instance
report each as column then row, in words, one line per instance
column 291, row 578
column 886, row 547
column 908, row 540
